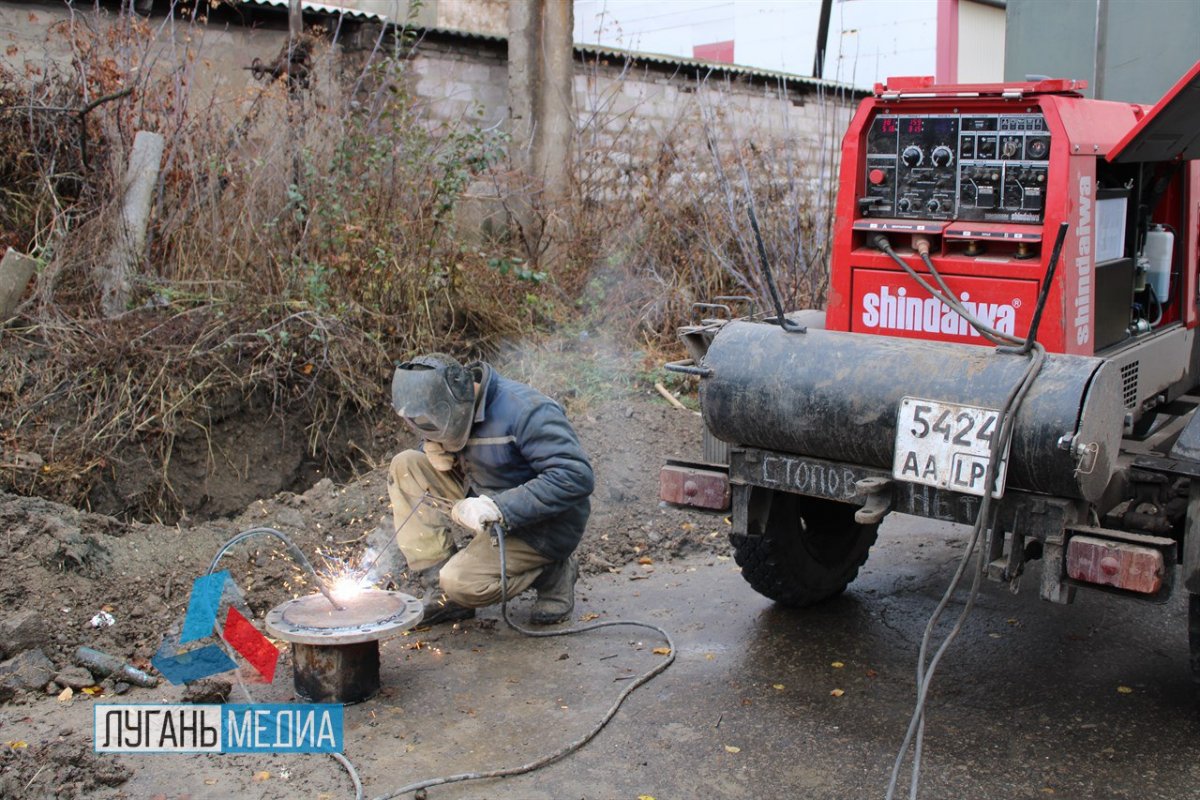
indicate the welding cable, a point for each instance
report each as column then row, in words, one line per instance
column 947, row 296
column 295, row 552
column 567, row 749
column 984, row 520
column 984, row 523
column 298, row 555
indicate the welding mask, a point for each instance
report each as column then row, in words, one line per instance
column 436, row 397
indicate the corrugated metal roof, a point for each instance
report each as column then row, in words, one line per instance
column 321, row 8
column 662, row 59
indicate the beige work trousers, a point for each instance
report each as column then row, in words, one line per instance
column 472, row 577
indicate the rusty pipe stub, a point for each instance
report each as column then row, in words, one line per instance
column 336, row 651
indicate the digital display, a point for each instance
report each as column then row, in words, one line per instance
column 887, row 125
column 914, row 125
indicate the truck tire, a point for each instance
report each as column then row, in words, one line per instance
column 809, row 551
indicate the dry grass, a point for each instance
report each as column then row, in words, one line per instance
column 305, row 240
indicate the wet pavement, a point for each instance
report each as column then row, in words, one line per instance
column 1091, row 700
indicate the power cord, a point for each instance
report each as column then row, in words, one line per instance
column 498, row 531
column 297, row 555
column 985, row 519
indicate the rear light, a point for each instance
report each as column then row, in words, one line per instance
column 1131, row 567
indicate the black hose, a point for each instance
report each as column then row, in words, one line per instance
column 571, row 747
column 984, row 521
column 295, row 552
column 785, row 323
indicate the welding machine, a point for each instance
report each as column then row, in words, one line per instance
column 950, row 203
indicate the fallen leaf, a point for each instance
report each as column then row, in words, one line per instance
column 688, row 526
column 661, row 651
column 837, row 692
column 92, row 691
column 588, row 617
column 645, row 797
column 779, row 686
column 259, row 777
column 994, row 635
column 66, row 694
column 871, row 673
column 731, row 749
column 18, row 744
column 837, row 665
column 210, row 781
column 1047, row 790
column 709, row 656
column 645, row 560
column 1124, row 690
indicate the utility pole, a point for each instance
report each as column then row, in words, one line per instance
column 295, row 23
column 541, row 96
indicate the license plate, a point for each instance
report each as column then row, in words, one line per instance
column 947, row 445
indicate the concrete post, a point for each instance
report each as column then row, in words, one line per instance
column 524, row 79
column 542, row 116
column 140, row 179
column 15, row 271
column 552, row 155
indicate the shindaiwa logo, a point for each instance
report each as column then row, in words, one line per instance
column 892, row 309
column 1083, row 263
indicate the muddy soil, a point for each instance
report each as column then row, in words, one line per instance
column 65, row 573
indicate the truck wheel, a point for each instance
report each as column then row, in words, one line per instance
column 809, row 550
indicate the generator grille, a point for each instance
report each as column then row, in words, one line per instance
column 1129, row 384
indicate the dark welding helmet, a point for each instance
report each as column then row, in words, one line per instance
column 436, row 397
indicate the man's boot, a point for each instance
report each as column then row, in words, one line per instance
column 438, row 607
column 555, row 592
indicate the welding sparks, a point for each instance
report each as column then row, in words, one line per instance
column 348, row 587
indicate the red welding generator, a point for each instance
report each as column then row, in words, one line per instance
column 972, row 215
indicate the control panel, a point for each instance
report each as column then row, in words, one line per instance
column 986, row 167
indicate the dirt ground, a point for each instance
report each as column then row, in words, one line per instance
column 63, row 570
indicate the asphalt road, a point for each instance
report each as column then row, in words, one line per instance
column 1092, row 700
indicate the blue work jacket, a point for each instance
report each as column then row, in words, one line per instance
column 524, row 454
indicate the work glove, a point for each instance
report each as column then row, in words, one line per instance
column 476, row 512
column 438, row 457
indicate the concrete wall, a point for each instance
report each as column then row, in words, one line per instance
column 626, row 111
column 29, row 39
column 644, row 103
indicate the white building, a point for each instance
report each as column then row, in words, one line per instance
column 868, row 40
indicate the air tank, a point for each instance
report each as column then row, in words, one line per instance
column 835, row 395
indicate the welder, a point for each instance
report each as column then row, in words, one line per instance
column 505, row 454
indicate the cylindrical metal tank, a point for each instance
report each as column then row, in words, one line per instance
column 835, row 396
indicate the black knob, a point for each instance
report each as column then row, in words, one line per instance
column 941, row 156
column 932, row 206
column 905, row 204
column 912, row 156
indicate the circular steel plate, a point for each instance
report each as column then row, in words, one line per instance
column 370, row 615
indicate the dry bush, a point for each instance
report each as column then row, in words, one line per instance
column 301, row 240
column 660, row 216
column 305, row 235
